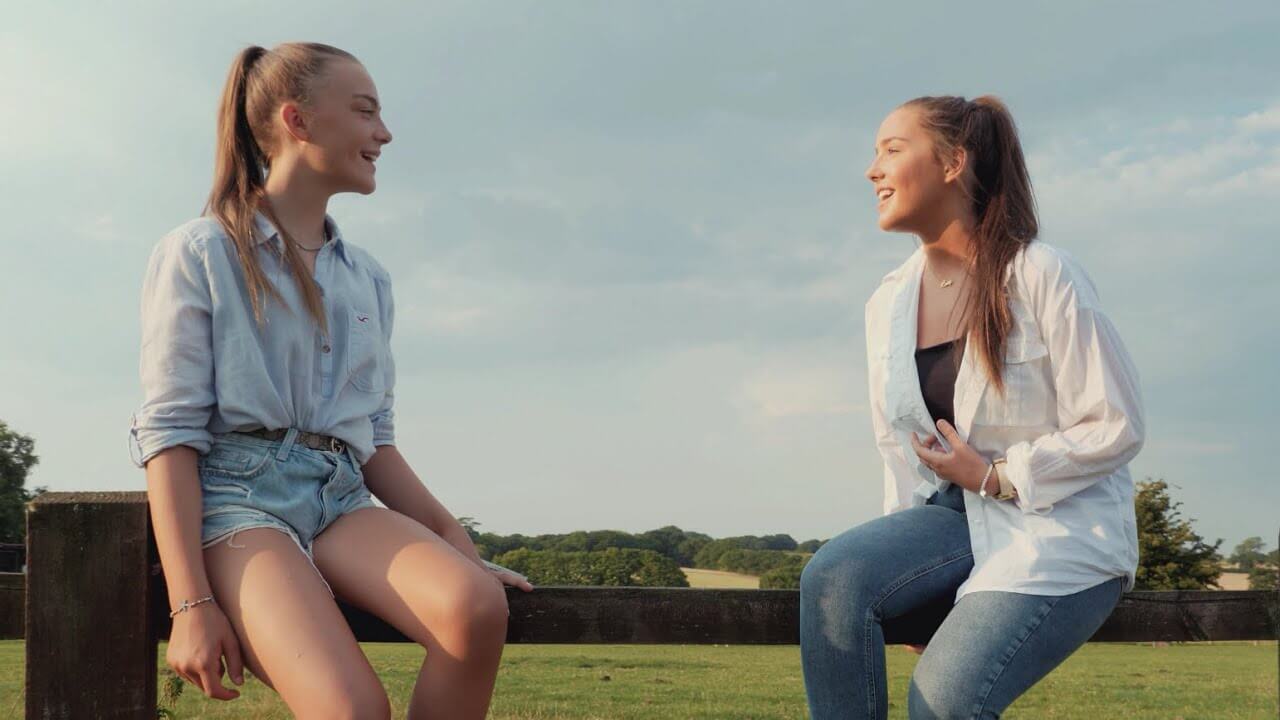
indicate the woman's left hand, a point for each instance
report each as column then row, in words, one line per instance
column 509, row 577
column 962, row 466
column 514, row 580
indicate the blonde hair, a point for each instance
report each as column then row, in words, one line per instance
column 258, row 82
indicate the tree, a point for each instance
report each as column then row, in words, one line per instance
column 1171, row 556
column 811, row 546
column 1262, row 577
column 782, row 578
column 17, row 457
column 609, row 567
column 471, row 525
column 1248, row 553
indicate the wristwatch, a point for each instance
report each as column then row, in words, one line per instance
column 1007, row 490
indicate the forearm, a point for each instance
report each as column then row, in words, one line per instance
column 389, row 477
column 173, row 493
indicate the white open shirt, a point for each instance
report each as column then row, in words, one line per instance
column 1068, row 425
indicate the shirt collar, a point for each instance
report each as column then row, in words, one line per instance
column 267, row 232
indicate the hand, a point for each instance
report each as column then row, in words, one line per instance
column 917, row 649
column 508, row 577
column 200, row 637
column 962, row 466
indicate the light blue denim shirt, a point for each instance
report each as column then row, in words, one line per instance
column 207, row 368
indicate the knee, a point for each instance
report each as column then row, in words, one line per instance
column 477, row 614
column 835, row 570
column 933, row 697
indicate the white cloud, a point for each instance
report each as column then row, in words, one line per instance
column 1261, row 121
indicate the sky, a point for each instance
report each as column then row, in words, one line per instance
column 631, row 242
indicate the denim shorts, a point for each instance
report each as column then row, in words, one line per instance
column 251, row 482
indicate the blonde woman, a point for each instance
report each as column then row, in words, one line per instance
column 268, row 421
column 1006, row 410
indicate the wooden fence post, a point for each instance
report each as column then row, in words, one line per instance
column 91, row 647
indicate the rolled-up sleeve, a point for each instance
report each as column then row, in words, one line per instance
column 384, row 428
column 1100, row 407
column 176, row 363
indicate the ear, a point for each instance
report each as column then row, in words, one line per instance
column 953, row 167
column 295, row 122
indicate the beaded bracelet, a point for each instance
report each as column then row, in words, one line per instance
column 187, row 605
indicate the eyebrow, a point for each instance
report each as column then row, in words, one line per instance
column 888, row 140
column 370, row 98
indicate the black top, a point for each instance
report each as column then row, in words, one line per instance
column 937, row 366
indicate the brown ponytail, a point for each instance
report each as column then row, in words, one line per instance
column 258, row 82
column 1003, row 205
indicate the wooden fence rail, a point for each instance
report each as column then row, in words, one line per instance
column 96, row 608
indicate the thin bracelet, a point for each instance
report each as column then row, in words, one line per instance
column 982, row 486
column 187, row 605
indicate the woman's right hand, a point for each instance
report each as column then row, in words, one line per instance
column 201, row 636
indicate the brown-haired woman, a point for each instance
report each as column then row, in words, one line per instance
column 1006, row 409
column 267, row 421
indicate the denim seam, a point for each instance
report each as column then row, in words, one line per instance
column 1028, row 630
column 874, row 610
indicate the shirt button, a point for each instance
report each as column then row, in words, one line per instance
column 324, row 348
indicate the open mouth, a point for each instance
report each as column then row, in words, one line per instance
column 884, row 194
column 370, row 158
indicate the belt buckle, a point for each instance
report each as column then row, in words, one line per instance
column 335, row 445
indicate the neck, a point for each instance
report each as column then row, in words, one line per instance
column 949, row 246
column 298, row 205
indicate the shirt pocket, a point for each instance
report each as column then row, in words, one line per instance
column 1028, row 396
column 364, row 351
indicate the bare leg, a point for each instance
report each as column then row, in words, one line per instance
column 397, row 569
column 292, row 634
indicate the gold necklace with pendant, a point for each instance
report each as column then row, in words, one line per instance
column 941, row 283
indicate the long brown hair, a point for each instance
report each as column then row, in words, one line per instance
column 1003, row 205
column 258, row 82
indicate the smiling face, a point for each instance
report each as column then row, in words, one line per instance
column 913, row 188
column 344, row 132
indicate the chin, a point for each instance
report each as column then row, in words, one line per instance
column 364, row 186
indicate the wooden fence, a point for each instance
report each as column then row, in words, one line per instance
column 96, row 606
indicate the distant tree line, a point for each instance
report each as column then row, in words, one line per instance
column 1172, row 555
column 1251, row 556
column 652, row 558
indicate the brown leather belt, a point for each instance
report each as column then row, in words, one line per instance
column 315, row 441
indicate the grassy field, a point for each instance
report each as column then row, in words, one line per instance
column 1220, row 681
column 700, row 578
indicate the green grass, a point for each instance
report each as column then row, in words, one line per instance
column 618, row 682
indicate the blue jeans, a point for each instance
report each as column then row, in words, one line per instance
column 991, row 647
column 250, row 482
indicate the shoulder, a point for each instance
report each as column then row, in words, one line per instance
column 363, row 260
column 1047, row 271
column 190, row 241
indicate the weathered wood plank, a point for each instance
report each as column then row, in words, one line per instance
column 597, row 615
column 91, row 645
column 13, row 600
column 1193, row 615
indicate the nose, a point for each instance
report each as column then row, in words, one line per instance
column 873, row 171
column 384, row 134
